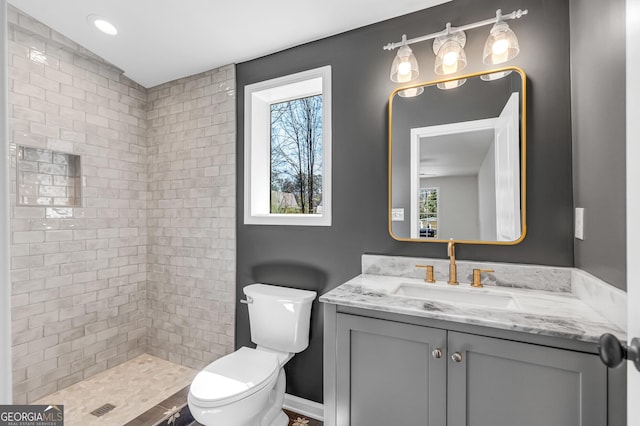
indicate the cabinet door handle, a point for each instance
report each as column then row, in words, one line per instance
column 613, row 353
column 456, row 357
column 437, row 353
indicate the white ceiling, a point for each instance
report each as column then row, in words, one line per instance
column 162, row 40
column 459, row 154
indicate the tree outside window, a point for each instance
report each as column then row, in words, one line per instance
column 296, row 156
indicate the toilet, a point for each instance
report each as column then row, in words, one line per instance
column 246, row 387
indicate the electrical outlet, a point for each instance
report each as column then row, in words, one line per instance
column 397, row 215
column 579, row 223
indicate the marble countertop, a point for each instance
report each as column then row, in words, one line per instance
column 558, row 314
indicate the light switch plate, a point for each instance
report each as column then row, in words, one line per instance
column 397, row 215
column 579, row 223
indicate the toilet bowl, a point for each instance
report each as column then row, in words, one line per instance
column 246, row 387
column 234, row 389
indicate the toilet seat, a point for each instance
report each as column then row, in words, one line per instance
column 234, row 377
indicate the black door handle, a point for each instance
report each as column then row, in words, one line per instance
column 613, row 352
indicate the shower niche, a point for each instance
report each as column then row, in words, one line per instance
column 48, row 178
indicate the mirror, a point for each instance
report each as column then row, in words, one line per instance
column 457, row 159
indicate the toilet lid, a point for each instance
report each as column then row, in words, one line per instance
column 234, row 376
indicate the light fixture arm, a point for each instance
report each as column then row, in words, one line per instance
column 448, row 30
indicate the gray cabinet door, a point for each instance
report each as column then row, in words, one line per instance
column 502, row 383
column 387, row 373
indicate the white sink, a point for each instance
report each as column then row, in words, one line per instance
column 456, row 296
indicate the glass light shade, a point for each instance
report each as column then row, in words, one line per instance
column 405, row 66
column 450, row 57
column 410, row 93
column 451, row 84
column 501, row 45
column 494, row 75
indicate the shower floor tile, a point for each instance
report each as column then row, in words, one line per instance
column 133, row 387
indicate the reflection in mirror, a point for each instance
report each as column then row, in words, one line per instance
column 457, row 162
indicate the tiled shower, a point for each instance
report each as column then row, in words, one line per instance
column 122, row 213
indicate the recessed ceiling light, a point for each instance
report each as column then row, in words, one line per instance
column 102, row 24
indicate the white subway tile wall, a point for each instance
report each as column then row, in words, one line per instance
column 191, row 208
column 147, row 263
column 78, row 273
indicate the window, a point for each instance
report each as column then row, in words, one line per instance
column 428, row 212
column 288, row 150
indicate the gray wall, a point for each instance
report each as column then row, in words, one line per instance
column 599, row 138
column 322, row 258
column 458, row 206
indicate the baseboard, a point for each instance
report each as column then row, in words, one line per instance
column 304, row 406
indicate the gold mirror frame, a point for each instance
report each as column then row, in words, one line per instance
column 523, row 157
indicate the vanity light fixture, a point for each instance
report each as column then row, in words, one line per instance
column 449, row 50
column 501, row 46
column 450, row 56
column 102, row 24
column 405, row 65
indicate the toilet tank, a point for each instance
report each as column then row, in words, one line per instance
column 279, row 317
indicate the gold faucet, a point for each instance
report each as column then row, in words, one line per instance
column 428, row 273
column 453, row 274
column 477, row 277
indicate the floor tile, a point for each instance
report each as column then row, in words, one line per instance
column 134, row 387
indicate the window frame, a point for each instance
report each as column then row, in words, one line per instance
column 258, row 98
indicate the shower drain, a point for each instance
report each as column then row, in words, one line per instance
column 101, row 411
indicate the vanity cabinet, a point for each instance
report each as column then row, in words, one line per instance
column 387, row 375
column 495, row 382
column 395, row 373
